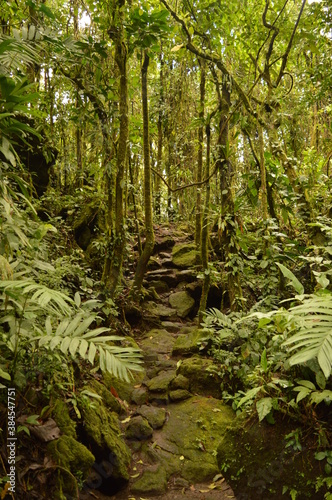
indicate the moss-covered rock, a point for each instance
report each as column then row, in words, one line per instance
column 180, row 382
column 179, row 395
column 190, row 343
column 182, row 302
column 157, row 341
column 159, row 310
column 188, row 444
column 155, row 416
column 109, row 400
column 161, row 382
column 138, row 428
column 203, row 376
column 152, row 482
column 124, row 389
column 61, row 415
column 258, row 465
column 140, row 395
column 71, row 455
column 103, row 431
column 184, row 255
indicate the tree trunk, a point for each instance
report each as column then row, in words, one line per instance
column 114, row 257
column 205, row 233
column 149, row 240
column 198, row 216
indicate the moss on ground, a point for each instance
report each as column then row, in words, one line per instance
column 61, row 415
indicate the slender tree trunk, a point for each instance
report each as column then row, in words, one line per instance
column 263, row 173
column 149, row 240
column 160, row 138
column 198, row 216
column 228, row 223
column 114, row 258
column 205, row 232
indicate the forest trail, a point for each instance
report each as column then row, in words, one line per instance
column 176, row 421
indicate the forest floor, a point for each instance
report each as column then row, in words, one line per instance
column 175, row 420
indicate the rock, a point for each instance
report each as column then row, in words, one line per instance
column 160, row 310
column 61, row 416
column 109, row 400
column 191, row 436
column 180, row 382
column 167, row 275
column 140, row 396
column 179, row 482
column 154, row 263
column 191, row 343
column 161, row 382
column 258, row 461
column 179, row 395
column 159, row 286
column 152, row 482
column 72, row 456
column 203, row 376
column 163, row 244
column 103, row 432
column 157, row 341
column 155, row 416
column 160, row 398
column 182, row 302
column 171, row 327
column 184, row 255
column 138, row 428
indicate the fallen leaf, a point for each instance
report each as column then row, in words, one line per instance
column 114, row 392
column 137, row 386
column 216, row 410
column 212, row 486
column 204, row 491
column 192, row 488
column 125, row 420
column 135, row 475
column 182, row 457
column 140, row 462
column 217, row 477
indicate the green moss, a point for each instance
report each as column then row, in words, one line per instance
column 184, row 255
column 257, row 464
column 139, row 428
column 189, row 343
column 182, row 302
column 202, row 375
column 153, row 482
column 108, row 399
column 61, row 415
column 71, row 455
column 161, row 382
column 102, row 427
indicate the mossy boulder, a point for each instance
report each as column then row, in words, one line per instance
column 259, row 463
column 138, row 428
column 188, row 444
column 161, row 382
column 179, row 395
column 102, row 428
column 203, row 376
column 124, row 389
column 180, row 382
column 100, row 389
column 61, row 416
column 159, row 286
column 190, row 343
column 182, row 302
column 184, row 255
column 71, row 455
column 157, row 341
column 155, row 416
column 152, row 482
column 158, row 310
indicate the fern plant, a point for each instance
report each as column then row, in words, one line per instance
column 313, row 338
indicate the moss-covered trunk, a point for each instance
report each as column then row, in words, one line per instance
column 198, row 215
column 149, row 241
column 114, row 257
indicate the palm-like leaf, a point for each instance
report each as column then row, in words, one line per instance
column 70, row 338
column 313, row 339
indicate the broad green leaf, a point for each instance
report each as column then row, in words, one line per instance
column 293, row 279
column 263, row 407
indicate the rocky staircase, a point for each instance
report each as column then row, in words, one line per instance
column 176, row 420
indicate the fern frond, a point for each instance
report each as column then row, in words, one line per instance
column 314, row 336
